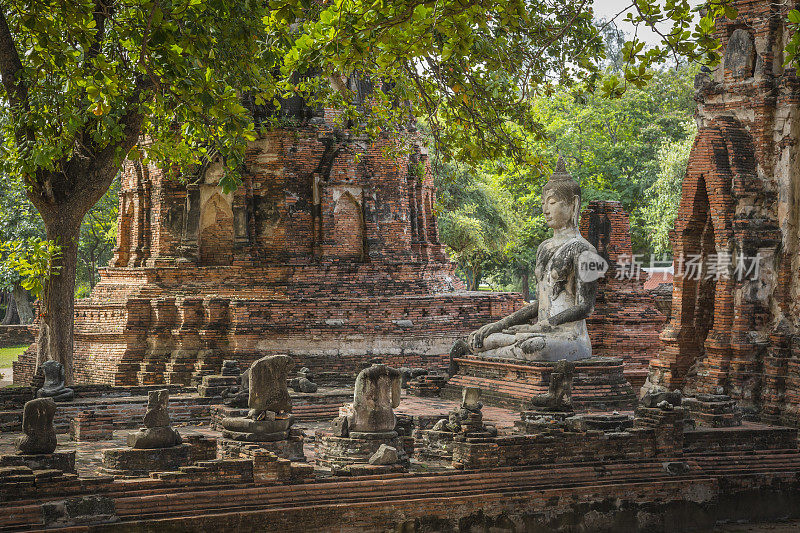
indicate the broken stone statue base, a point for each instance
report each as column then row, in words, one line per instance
column 131, row 462
column 351, row 455
column 247, row 429
column 64, row 461
column 290, row 448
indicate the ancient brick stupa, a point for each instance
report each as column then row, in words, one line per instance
column 328, row 251
column 735, row 312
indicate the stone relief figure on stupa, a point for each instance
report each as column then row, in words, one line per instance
column 552, row 327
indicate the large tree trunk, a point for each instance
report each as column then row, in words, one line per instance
column 475, row 280
column 24, row 308
column 11, row 310
column 11, row 316
column 526, row 287
column 56, row 330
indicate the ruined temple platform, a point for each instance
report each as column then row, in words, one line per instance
column 674, row 492
column 599, row 382
column 667, row 476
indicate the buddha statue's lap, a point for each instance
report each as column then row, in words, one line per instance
column 545, row 348
column 552, row 327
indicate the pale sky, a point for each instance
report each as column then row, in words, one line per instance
column 606, row 9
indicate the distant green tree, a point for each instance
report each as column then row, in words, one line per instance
column 660, row 208
column 473, row 220
column 19, row 221
column 98, row 236
column 614, row 148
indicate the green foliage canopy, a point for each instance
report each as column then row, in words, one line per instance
column 660, row 208
column 632, row 149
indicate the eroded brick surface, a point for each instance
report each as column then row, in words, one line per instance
column 740, row 196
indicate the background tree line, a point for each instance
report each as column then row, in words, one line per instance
column 20, row 222
column 633, row 149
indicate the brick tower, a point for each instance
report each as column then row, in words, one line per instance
column 626, row 321
column 741, row 198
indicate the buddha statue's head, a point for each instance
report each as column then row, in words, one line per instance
column 561, row 199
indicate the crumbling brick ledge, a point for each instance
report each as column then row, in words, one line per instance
column 689, row 493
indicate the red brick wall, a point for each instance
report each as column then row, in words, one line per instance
column 17, row 335
column 625, row 322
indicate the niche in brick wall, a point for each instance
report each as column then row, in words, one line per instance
column 348, row 226
column 740, row 54
column 699, row 238
column 215, row 235
column 124, row 222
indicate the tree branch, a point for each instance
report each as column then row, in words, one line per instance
column 15, row 86
column 102, row 12
column 105, row 165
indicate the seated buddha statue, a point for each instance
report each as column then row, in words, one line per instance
column 553, row 326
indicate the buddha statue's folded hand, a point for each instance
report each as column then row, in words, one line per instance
column 475, row 339
column 542, row 326
column 534, row 343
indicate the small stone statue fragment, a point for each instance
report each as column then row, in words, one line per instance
column 468, row 418
column 657, row 398
column 54, row 383
column 377, row 393
column 385, row 455
column 559, row 394
column 409, row 374
column 230, row 367
column 157, row 432
column 303, row 383
column 37, row 424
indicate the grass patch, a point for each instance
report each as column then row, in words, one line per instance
column 9, row 355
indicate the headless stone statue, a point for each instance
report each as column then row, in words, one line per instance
column 552, row 327
column 54, row 383
column 377, row 392
column 157, row 432
column 268, row 390
column 37, row 424
column 268, row 400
